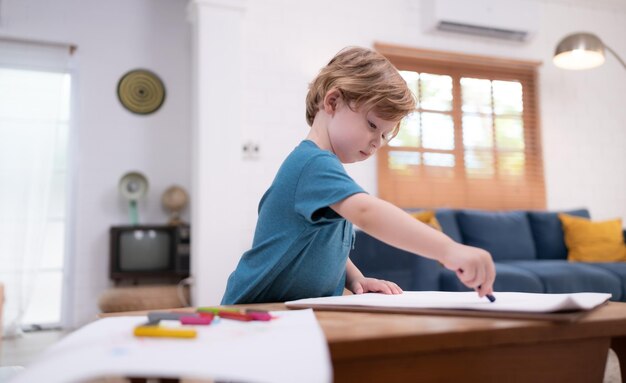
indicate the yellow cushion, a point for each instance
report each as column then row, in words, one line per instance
column 589, row 241
column 428, row 217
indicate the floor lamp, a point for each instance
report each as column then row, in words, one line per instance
column 582, row 51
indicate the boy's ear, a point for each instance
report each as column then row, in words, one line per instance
column 331, row 99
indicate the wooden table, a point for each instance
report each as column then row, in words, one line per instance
column 379, row 347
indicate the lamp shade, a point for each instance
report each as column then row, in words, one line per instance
column 579, row 51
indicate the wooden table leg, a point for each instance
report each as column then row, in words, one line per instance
column 618, row 344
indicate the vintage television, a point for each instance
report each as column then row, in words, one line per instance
column 142, row 252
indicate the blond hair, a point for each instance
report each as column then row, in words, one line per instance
column 365, row 79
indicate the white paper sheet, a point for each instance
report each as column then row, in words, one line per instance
column 291, row 348
column 505, row 301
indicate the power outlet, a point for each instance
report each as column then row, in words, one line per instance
column 251, row 150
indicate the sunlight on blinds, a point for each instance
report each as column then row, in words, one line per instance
column 492, row 120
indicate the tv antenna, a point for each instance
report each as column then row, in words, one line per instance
column 133, row 186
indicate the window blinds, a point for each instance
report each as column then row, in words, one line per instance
column 474, row 141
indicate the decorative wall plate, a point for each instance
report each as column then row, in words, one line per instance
column 141, row 91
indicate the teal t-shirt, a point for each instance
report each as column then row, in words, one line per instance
column 300, row 245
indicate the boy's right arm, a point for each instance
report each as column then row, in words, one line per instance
column 388, row 223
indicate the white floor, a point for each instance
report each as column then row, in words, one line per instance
column 23, row 350
column 20, row 352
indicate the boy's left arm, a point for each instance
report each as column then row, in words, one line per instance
column 359, row 284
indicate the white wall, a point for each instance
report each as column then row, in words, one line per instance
column 584, row 116
column 113, row 37
column 287, row 42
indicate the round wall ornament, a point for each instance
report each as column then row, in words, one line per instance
column 141, row 91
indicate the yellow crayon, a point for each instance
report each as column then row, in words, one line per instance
column 166, row 332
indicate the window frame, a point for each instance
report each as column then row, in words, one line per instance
column 495, row 193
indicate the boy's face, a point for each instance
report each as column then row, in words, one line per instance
column 356, row 135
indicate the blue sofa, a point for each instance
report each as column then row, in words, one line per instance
column 527, row 247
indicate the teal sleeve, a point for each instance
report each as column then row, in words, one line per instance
column 323, row 182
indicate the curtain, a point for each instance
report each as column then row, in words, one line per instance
column 26, row 158
column 34, row 111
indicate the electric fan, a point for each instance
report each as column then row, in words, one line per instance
column 133, row 186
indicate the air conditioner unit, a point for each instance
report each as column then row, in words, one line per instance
column 514, row 20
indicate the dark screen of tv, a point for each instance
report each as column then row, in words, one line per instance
column 145, row 250
column 149, row 251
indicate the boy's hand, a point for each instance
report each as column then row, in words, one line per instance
column 473, row 266
column 373, row 285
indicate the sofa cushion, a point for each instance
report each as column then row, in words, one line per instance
column 447, row 221
column 589, row 241
column 508, row 278
column 559, row 276
column 376, row 259
column 506, row 235
column 548, row 232
column 618, row 269
column 427, row 217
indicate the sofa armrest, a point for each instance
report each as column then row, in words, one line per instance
column 376, row 259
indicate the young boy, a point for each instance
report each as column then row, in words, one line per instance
column 304, row 231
